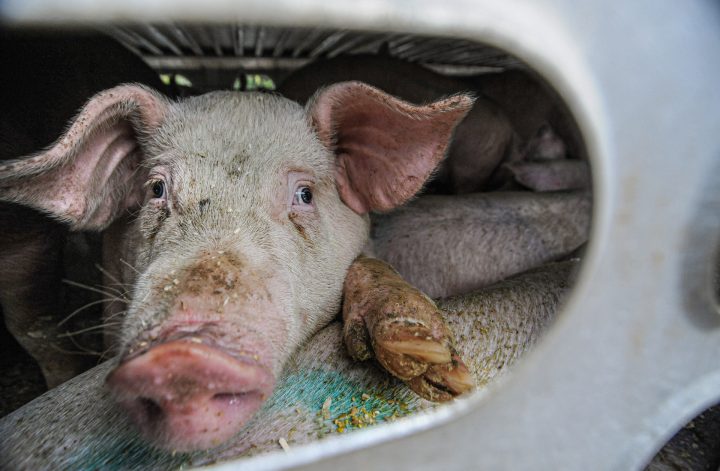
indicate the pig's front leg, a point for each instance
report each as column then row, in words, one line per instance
column 387, row 318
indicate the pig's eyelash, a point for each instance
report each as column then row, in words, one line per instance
column 152, row 180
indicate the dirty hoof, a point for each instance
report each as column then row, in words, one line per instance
column 443, row 382
column 386, row 318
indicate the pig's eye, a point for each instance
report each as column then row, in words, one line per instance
column 158, row 189
column 303, row 196
column 300, row 197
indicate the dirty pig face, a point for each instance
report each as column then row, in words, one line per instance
column 240, row 215
column 243, row 249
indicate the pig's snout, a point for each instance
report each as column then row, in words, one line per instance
column 188, row 396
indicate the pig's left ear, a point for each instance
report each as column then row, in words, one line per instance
column 386, row 148
column 94, row 172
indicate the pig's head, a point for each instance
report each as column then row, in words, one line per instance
column 246, row 211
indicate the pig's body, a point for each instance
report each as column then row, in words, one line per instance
column 469, row 241
column 78, row 426
column 505, row 125
column 48, row 78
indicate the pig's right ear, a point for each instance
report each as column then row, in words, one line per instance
column 94, row 171
column 385, row 148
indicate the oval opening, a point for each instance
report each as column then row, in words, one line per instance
column 496, row 236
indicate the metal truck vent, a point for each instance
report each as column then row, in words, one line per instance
column 259, row 47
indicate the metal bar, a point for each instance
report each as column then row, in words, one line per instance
column 159, row 37
column 237, row 40
column 217, row 47
column 462, row 70
column 240, row 41
column 185, row 39
column 280, row 44
column 313, row 36
column 250, row 36
column 140, row 41
column 260, row 39
column 347, row 45
column 224, row 62
column 123, row 39
column 373, row 46
column 430, row 47
column 447, row 53
column 327, row 43
column 404, row 44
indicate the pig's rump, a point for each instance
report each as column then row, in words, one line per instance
column 321, row 393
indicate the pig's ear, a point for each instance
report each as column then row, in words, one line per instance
column 94, row 171
column 386, row 148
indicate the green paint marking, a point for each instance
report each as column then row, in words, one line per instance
column 354, row 404
column 125, row 452
column 307, row 391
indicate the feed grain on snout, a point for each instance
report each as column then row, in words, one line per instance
column 238, row 215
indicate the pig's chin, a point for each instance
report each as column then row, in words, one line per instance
column 187, row 396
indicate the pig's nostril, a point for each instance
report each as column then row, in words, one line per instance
column 151, row 409
column 230, row 398
column 188, row 396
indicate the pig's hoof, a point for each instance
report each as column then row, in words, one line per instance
column 405, row 347
column 443, row 382
column 390, row 320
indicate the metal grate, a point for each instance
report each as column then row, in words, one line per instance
column 259, row 47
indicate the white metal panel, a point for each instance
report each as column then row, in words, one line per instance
column 634, row 354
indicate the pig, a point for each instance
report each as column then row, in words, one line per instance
column 62, row 71
column 515, row 118
column 77, row 425
column 232, row 220
column 470, row 241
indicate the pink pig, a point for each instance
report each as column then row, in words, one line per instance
column 234, row 218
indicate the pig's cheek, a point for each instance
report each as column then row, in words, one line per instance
column 152, row 220
column 304, row 225
column 151, row 300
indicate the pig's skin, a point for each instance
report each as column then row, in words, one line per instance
column 225, row 285
column 77, row 425
column 503, row 126
column 51, row 76
column 470, row 241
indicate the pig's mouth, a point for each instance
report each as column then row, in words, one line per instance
column 184, row 395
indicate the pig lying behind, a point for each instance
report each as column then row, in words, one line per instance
column 232, row 219
column 515, row 116
column 469, row 241
column 77, row 426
